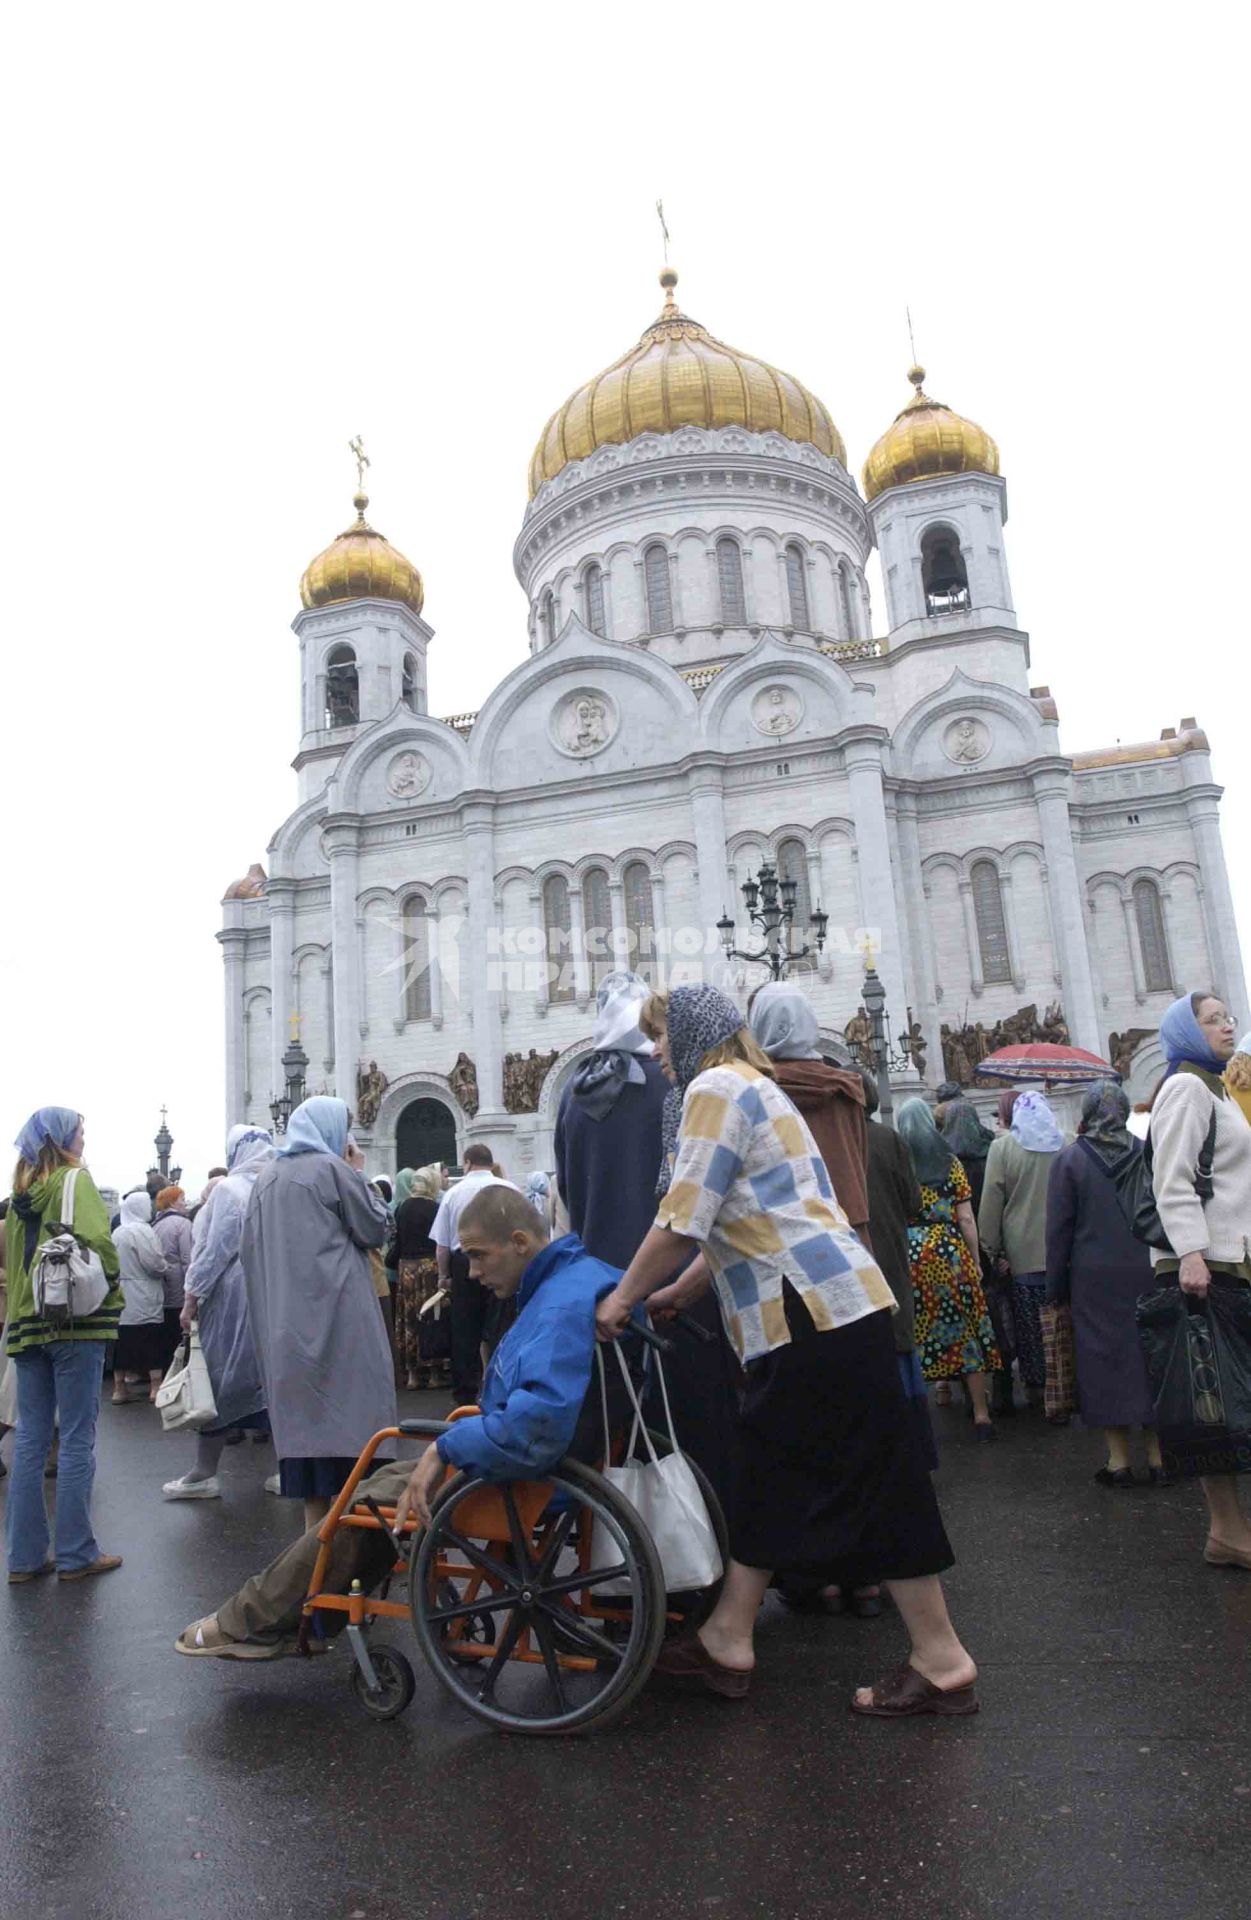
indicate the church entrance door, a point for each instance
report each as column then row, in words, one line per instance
column 426, row 1132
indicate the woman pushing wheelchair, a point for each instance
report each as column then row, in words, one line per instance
column 827, row 1470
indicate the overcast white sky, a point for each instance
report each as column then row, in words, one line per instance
column 237, row 235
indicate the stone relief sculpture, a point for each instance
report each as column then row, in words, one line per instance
column 523, row 1079
column 584, row 722
column 370, row 1087
column 408, row 775
column 966, row 741
column 964, row 1048
column 776, row 711
column 1123, row 1046
column 463, row 1080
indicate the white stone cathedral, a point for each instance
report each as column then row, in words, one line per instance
column 703, row 693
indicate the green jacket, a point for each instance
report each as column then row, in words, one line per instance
column 91, row 1226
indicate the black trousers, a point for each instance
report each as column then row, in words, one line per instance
column 470, row 1304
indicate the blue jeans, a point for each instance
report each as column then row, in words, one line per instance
column 61, row 1378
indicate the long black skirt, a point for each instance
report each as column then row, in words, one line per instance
column 828, row 1472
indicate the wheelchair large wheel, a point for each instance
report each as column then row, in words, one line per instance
column 574, row 1641
column 692, row 1609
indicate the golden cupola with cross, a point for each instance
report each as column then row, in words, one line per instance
column 361, row 564
column 927, row 439
column 680, row 375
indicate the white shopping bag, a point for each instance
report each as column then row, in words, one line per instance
column 665, row 1494
column 185, row 1396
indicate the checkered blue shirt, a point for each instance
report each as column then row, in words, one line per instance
column 750, row 1185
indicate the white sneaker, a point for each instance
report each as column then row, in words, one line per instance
column 189, row 1489
column 274, row 1484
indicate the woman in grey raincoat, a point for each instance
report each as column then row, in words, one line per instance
column 216, row 1298
column 321, row 1340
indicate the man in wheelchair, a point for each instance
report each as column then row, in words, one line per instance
column 535, row 1410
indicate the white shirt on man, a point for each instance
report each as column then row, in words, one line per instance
column 445, row 1231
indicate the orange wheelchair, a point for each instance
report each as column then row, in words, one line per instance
column 540, row 1605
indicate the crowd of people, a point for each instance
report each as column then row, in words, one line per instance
column 707, row 1162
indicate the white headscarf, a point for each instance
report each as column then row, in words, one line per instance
column 783, row 1021
column 619, row 1002
column 1035, row 1126
column 135, row 1230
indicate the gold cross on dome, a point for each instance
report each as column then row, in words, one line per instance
column 664, row 231
column 357, row 449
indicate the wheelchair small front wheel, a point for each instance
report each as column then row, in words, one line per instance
column 396, row 1684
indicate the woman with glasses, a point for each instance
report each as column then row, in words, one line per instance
column 1210, row 1239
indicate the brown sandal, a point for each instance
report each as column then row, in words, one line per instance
column 687, row 1658
column 907, row 1692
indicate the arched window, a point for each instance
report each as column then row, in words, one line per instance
column 845, row 600
column 656, row 585
column 343, row 699
column 943, row 572
column 797, row 588
column 593, row 587
column 730, row 582
column 1157, row 971
column 547, row 619
column 416, row 960
column 408, row 681
column 992, row 928
column 557, row 926
column 793, row 865
column 597, row 924
column 637, row 889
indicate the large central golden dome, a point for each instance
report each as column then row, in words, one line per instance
column 679, row 376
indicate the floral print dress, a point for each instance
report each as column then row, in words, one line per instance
column 954, row 1335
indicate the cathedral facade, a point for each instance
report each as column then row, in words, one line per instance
column 702, row 694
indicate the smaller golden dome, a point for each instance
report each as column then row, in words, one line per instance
column 251, row 887
column 925, row 440
column 361, row 565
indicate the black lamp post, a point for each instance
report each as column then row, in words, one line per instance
column 771, row 908
column 163, row 1143
column 294, row 1067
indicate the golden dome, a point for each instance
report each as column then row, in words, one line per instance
column 927, row 438
column 679, row 376
column 251, row 887
column 361, row 565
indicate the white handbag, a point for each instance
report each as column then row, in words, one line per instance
column 185, row 1396
column 67, row 1278
column 665, row 1494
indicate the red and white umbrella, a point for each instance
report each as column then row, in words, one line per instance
column 1043, row 1060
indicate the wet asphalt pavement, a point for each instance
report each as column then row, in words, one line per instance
column 1108, row 1774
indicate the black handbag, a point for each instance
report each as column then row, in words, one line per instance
column 1133, row 1182
column 1198, row 1355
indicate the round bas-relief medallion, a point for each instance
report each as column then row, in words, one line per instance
column 776, row 710
column 967, row 741
column 584, row 722
column 408, row 775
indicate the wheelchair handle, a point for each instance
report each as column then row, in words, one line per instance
column 648, row 1336
column 427, row 1429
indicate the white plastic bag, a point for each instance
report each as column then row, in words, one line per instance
column 185, row 1396
column 665, row 1494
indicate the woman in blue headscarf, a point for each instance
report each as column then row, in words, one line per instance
column 1210, row 1239
column 320, row 1338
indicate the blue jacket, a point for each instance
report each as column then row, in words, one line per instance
column 538, row 1376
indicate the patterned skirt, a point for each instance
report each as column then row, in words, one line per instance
column 418, row 1282
column 954, row 1335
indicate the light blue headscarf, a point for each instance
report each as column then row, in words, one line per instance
column 1035, row 1126
column 319, row 1126
column 1182, row 1038
column 57, row 1124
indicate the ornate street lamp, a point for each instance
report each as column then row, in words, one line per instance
column 294, row 1067
column 771, row 907
column 163, row 1143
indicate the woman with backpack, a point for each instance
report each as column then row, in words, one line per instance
column 1097, row 1267
column 59, row 1367
column 1210, row 1239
